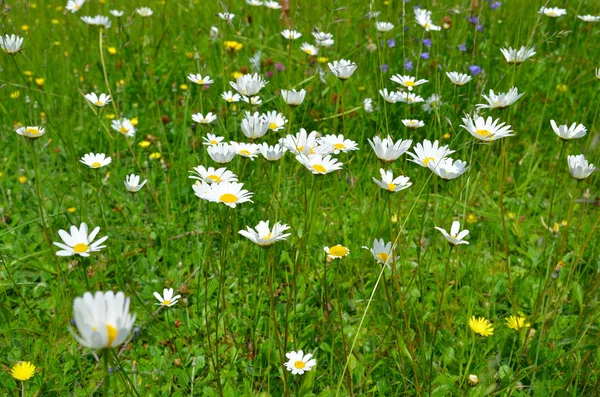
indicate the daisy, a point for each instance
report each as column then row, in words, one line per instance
column 368, row 105
column 11, row 44
column 200, row 118
column 386, row 150
column 248, row 150
column 199, row 79
column 432, row 103
column 254, row 3
column 203, row 190
column 144, row 11
column 221, row 152
column 132, row 183
column 565, row 132
column 99, row 101
column 342, row 69
column 339, row 144
column 423, row 18
column 459, row 79
column 248, row 84
column 516, row 323
column 117, row 13
column 124, row 126
column 31, row 132
column 272, row 153
column 229, row 193
column 413, row 124
column 486, row 129
column 500, row 101
column 298, row 363
column 589, row 18
column 212, row 139
column 23, row 370
column 273, row 5
column 389, row 183
column 382, row 252
column 309, row 49
column 456, row 236
column 319, row 164
column 481, row 326
column 579, row 167
column 321, row 36
column 254, row 126
column 447, row 168
column 517, row 56
column 103, row 319
column 302, row 142
column 226, row 16
column 275, row 120
column 211, row 175
column 167, row 298
column 265, row 236
column 291, row 34
column 389, row 97
column 231, row 97
column 408, row 81
column 93, row 160
column 74, row 5
column 337, row 252
column 325, row 43
column 78, row 242
column 409, row 97
column 552, row 12
column 384, row 26
column 427, row 152
column 292, row 97
column 98, row 20
column 255, row 100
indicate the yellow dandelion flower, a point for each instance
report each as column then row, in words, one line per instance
column 235, row 75
column 22, row 370
column 481, row 326
column 71, row 209
column 447, row 135
column 471, row 218
column 110, row 116
column 58, row 8
column 154, row 156
column 25, row 28
column 15, row 94
column 39, row 81
column 112, row 50
column 562, row 88
column 183, row 87
column 233, row 46
column 134, row 121
column 28, row 73
column 189, row 54
column 516, row 323
column 22, row 179
column 511, row 215
column 144, row 144
column 54, row 22
column 322, row 59
column 33, row 5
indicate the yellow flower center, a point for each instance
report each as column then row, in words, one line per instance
column 245, row 153
column 112, row 334
column 123, row 130
column 427, row 26
column 96, row 164
column 228, row 198
column 409, row 83
column 299, row 364
column 319, row 168
column 383, row 256
column 339, row 146
column 308, row 51
column 550, row 13
column 200, row 81
column 98, row 103
column 338, row 250
column 213, row 142
column 391, row 187
column 32, row 131
column 483, row 133
column 214, row 178
column 230, row 99
column 272, row 125
column 81, row 247
column 427, row 160
column 268, row 236
column 166, row 302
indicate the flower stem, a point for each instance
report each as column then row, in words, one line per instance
column 106, row 358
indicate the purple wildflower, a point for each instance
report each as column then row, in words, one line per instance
column 279, row 67
column 495, row 4
column 384, row 68
column 462, row 47
column 473, row 20
column 425, row 55
column 391, row 43
column 427, row 43
column 475, row 70
column 408, row 65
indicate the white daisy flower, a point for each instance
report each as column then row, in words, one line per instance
column 229, row 193
column 254, row 126
column 423, row 18
column 292, row 97
column 298, row 363
column 31, row 132
column 212, row 139
column 432, row 103
column 589, row 18
column 384, row 26
column 74, row 5
column 132, row 183
column 413, row 124
column 265, row 236
column 309, row 49
column 93, row 160
column 231, row 97
column 199, row 79
column 386, row 150
column 248, row 150
column 99, row 101
column 390, row 97
column 79, row 242
column 486, row 129
column 272, row 4
column 409, row 97
column 211, row 175
column 221, row 152
column 291, row 34
column 517, row 56
column 389, row 183
column 368, row 105
column 302, row 142
column 123, row 126
column 255, row 100
column 98, row 20
column 382, row 252
column 319, row 164
column 409, row 82
column 455, row 237
column 103, row 319
column 447, row 168
column 459, row 79
column 427, row 152
column 338, row 143
column 565, row 132
column 248, row 84
column 500, row 101
column 321, row 36
column 226, row 16
column 342, row 69
column 272, row 153
column 117, row 13
column 167, row 298
column 579, row 167
column 275, row 120
column 144, row 11
column 337, row 251
column 201, row 119
column 552, row 12
column 254, row 3
column 11, row 44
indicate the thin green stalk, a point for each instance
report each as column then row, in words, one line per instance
column 105, row 357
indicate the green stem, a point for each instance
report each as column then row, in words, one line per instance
column 106, row 358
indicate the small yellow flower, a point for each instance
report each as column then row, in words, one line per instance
column 22, row 179
column 394, row 218
column 54, row 22
column 110, row 116
column 134, row 121
column 471, row 218
column 71, row 209
column 33, row 5
column 15, row 94
column 447, row 135
column 183, row 87
column 322, row 59
column 233, row 46
column 155, row 156
column 39, row 81
column 189, row 54
column 564, row 223
column 516, row 323
column 361, row 88
column 28, row 73
column 481, row 326
column 58, row 8
column 112, row 50
column 562, row 88
column 511, row 215
column 25, row 28
column 144, row 144
column 235, row 75
column 22, row 370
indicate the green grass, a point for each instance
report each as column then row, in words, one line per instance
column 220, row 339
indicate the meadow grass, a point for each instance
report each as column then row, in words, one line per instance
column 374, row 330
